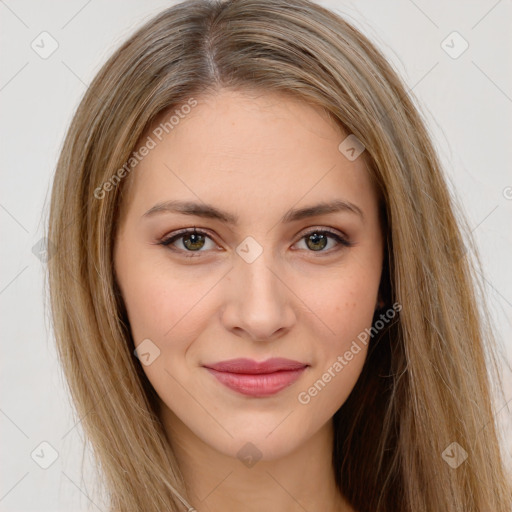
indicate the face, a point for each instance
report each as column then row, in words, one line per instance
column 225, row 250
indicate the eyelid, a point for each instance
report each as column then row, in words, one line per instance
column 324, row 229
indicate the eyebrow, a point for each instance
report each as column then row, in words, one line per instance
column 211, row 212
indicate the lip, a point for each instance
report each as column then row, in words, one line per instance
column 257, row 379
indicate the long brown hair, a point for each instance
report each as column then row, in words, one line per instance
column 425, row 383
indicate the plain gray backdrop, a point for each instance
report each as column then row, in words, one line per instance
column 465, row 94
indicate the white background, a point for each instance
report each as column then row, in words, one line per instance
column 467, row 102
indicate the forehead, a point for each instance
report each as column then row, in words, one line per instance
column 247, row 147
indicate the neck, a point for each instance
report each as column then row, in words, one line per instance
column 301, row 480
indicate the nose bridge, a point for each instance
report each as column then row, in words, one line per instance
column 259, row 283
column 257, row 275
column 260, row 304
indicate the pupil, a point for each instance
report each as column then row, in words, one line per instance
column 316, row 238
column 196, row 239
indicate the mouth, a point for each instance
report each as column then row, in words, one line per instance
column 257, row 379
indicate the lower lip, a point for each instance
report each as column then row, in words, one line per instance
column 257, row 385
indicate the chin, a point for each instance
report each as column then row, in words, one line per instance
column 262, row 442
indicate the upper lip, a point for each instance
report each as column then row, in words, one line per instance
column 249, row 366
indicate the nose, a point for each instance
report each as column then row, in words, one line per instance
column 258, row 300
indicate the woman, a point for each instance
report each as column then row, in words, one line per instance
column 261, row 297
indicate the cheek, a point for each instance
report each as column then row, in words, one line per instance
column 344, row 305
column 347, row 308
column 160, row 305
column 328, row 388
column 170, row 314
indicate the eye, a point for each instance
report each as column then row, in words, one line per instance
column 318, row 239
column 191, row 241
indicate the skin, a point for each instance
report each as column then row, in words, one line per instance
column 255, row 155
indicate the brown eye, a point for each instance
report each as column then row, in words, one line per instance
column 317, row 240
column 191, row 241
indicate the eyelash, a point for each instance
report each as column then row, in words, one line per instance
column 168, row 240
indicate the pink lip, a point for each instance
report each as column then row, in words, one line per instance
column 257, row 379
